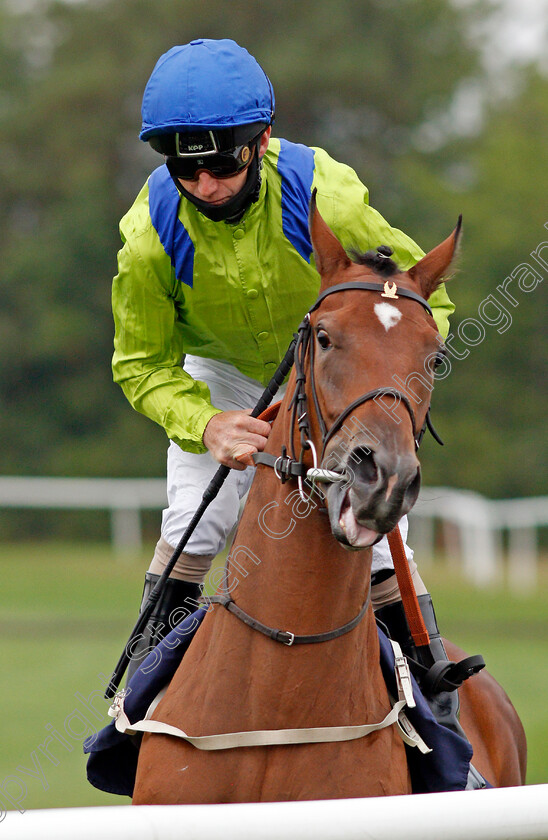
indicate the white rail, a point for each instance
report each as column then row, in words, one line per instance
column 503, row 814
column 124, row 498
column 477, row 523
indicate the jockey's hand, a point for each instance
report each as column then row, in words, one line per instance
column 233, row 436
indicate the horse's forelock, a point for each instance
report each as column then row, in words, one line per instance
column 380, row 263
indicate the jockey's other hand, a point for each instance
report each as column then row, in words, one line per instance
column 233, row 436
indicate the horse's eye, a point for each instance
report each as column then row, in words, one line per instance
column 323, row 339
column 440, row 357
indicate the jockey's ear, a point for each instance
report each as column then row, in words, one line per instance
column 431, row 271
column 329, row 254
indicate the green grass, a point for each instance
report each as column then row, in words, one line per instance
column 511, row 632
column 66, row 612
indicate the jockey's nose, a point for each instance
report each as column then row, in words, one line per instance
column 207, row 184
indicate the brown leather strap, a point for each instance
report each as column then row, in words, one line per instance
column 411, row 606
column 270, row 413
column 284, row 636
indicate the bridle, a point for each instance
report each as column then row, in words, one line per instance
column 286, row 467
column 293, row 467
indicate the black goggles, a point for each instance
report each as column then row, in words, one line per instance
column 189, row 153
column 220, row 165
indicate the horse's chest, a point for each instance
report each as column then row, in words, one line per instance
column 248, row 690
column 375, row 766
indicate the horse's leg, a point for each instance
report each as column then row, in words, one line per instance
column 492, row 726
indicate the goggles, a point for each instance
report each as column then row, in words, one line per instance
column 191, row 152
column 224, row 164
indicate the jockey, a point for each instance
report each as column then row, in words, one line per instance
column 216, row 269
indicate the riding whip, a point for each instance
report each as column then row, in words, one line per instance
column 210, row 494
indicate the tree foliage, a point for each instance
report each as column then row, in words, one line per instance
column 493, row 406
column 360, row 78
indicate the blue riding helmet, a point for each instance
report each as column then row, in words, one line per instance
column 206, row 106
column 214, row 84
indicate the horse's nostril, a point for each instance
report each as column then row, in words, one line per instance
column 412, row 490
column 362, row 464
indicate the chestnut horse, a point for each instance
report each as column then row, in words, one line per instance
column 292, row 568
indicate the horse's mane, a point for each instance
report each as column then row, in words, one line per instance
column 378, row 260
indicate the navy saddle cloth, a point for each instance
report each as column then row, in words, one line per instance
column 113, row 755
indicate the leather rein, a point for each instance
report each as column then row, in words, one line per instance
column 287, row 467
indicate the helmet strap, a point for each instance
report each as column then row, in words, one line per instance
column 233, row 209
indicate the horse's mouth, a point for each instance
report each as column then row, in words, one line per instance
column 344, row 525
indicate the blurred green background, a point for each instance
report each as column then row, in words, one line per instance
column 440, row 111
column 427, row 99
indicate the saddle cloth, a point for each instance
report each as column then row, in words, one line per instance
column 112, row 762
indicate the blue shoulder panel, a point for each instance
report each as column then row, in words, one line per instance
column 296, row 166
column 163, row 202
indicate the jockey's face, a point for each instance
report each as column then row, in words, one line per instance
column 214, row 190
column 218, row 190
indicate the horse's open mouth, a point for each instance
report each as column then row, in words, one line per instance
column 344, row 524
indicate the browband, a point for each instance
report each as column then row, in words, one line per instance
column 389, row 290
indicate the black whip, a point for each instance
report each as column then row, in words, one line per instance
column 210, row 493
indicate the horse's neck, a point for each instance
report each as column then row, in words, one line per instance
column 295, row 575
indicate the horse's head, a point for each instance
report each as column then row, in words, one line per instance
column 372, row 357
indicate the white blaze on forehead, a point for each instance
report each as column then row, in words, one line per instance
column 387, row 314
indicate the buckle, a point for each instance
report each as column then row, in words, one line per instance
column 117, row 703
column 282, row 468
column 410, row 734
column 289, row 637
column 403, row 676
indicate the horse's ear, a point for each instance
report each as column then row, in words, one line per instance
column 329, row 254
column 429, row 272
